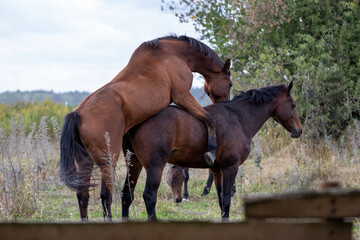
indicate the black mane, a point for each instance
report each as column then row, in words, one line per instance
column 202, row 47
column 261, row 95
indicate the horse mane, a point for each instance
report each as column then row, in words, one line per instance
column 202, row 47
column 261, row 95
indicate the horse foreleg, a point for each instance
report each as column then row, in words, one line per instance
column 228, row 179
column 186, row 180
column 82, row 194
column 217, row 175
column 153, row 180
column 208, row 184
column 188, row 102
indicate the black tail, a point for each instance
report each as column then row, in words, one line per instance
column 71, row 149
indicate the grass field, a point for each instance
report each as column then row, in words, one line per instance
column 30, row 189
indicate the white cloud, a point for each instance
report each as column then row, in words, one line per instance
column 75, row 45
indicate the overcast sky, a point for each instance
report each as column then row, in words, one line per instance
column 66, row 45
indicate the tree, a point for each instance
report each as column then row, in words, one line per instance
column 314, row 42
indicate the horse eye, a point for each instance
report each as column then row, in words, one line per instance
column 230, row 85
column 293, row 105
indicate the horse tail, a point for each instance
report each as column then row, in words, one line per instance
column 71, row 149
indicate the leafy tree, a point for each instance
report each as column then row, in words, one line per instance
column 314, row 42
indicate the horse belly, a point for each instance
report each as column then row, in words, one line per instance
column 186, row 158
column 190, row 145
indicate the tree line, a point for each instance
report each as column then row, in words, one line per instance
column 68, row 98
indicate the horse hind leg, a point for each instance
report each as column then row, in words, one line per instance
column 82, row 193
column 152, row 184
column 107, row 175
column 132, row 176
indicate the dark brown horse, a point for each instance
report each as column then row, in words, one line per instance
column 176, row 137
column 159, row 72
column 176, row 177
column 179, row 176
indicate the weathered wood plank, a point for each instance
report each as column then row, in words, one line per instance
column 333, row 204
column 254, row 230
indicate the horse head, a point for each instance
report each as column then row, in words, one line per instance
column 218, row 84
column 285, row 113
column 175, row 180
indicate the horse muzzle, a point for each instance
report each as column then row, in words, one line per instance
column 296, row 133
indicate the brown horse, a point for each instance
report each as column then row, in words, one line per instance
column 176, row 177
column 179, row 176
column 176, row 137
column 159, row 72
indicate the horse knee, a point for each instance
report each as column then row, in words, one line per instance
column 106, row 197
column 83, row 198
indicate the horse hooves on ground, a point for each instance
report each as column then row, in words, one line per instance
column 185, row 200
column 205, row 192
column 209, row 158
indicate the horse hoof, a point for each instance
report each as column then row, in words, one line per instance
column 209, row 158
column 185, row 200
column 205, row 192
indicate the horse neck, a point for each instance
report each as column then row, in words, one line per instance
column 195, row 59
column 253, row 116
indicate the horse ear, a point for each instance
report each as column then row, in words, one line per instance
column 227, row 66
column 290, row 87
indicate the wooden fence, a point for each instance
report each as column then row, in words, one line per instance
column 325, row 214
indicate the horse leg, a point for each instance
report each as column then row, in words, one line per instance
column 106, row 190
column 152, row 184
column 228, row 180
column 187, row 101
column 134, row 168
column 102, row 136
column 217, row 175
column 186, row 193
column 85, row 170
column 208, row 184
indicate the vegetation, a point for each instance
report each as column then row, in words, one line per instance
column 28, row 116
column 67, row 98
column 312, row 42
column 30, row 189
